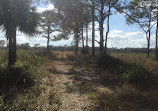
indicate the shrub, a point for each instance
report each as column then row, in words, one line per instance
column 19, row 74
column 30, row 57
column 137, row 75
column 113, row 65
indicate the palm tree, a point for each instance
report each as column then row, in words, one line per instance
column 17, row 15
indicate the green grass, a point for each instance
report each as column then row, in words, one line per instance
column 23, row 86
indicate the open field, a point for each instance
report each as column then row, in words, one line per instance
column 139, row 58
column 63, row 81
column 78, row 55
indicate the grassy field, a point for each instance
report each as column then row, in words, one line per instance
column 120, row 82
column 25, row 86
column 131, row 77
column 139, row 58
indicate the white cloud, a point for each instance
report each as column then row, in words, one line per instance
column 122, row 39
column 115, row 33
column 48, row 7
column 134, row 34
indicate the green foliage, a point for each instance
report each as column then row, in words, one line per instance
column 1, row 102
column 46, row 54
column 22, row 16
column 23, row 84
column 31, row 57
column 113, row 65
column 19, row 74
column 137, row 75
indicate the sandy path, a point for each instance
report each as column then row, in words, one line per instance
column 70, row 99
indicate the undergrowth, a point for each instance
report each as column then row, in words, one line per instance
column 123, row 72
column 130, row 84
column 22, row 84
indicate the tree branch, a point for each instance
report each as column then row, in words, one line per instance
column 97, row 41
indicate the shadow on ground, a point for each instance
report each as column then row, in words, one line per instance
column 107, row 95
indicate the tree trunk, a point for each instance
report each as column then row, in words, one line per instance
column 101, row 37
column 48, row 44
column 93, row 32
column 148, row 48
column 108, row 27
column 48, row 39
column 83, row 50
column 77, row 41
column 87, row 38
column 12, row 45
column 148, row 44
column 101, row 22
column 149, row 35
column 157, row 38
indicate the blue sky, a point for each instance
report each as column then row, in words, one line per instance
column 121, row 35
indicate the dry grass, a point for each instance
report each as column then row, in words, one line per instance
column 140, row 59
column 123, row 97
column 64, row 55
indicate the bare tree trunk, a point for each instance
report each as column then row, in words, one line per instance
column 108, row 27
column 83, row 50
column 76, row 41
column 157, row 39
column 14, row 44
column 87, row 38
column 101, row 22
column 149, row 36
column 101, row 37
column 11, row 33
column 48, row 39
column 148, row 48
column 93, row 32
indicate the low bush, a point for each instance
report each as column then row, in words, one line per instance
column 33, row 58
column 137, row 75
column 21, row 84
column 17, row 75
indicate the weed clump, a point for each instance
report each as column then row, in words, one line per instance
column 18, row 75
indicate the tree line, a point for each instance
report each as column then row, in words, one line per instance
column 72, row 18
column 38, row 46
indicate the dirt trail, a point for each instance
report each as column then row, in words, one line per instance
column 73, row 85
